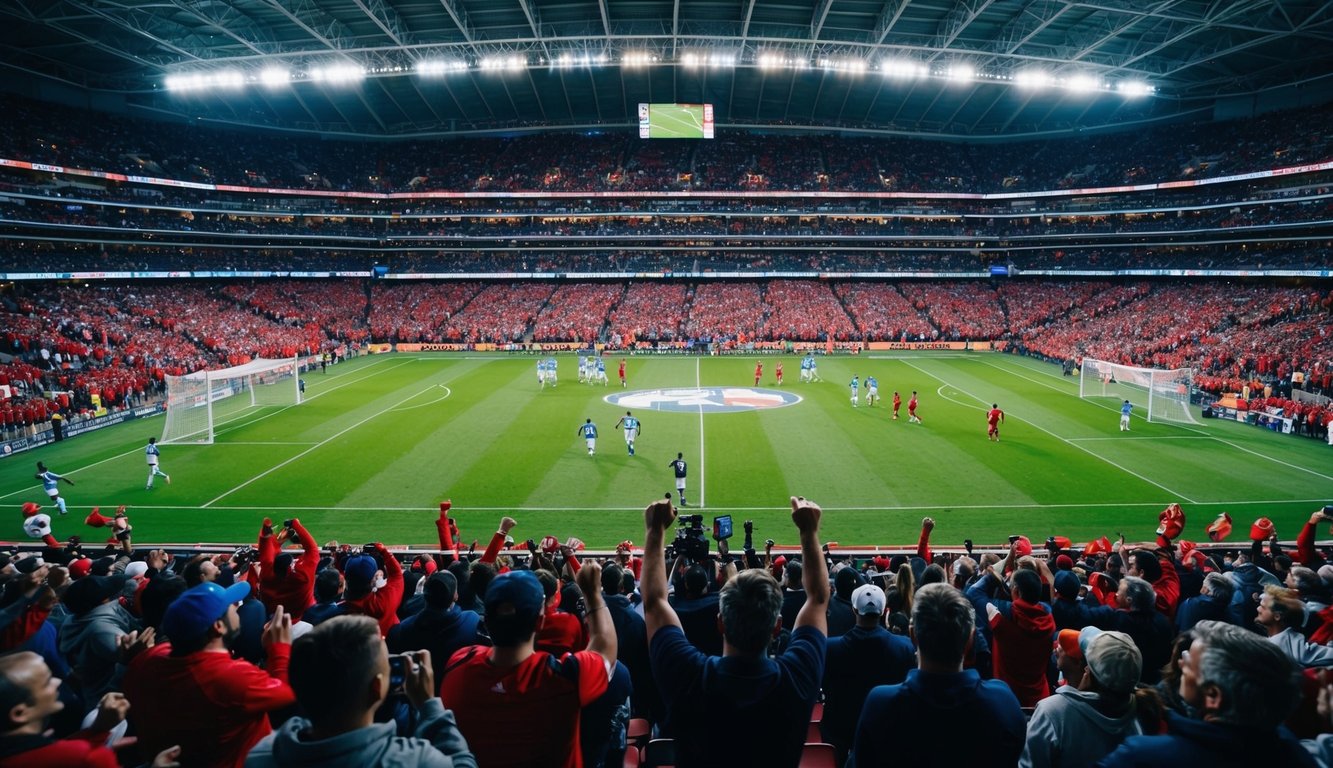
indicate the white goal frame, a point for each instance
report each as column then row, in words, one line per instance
column 1163, row 394
column 194, row 401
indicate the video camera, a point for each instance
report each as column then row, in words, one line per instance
column 691, row 542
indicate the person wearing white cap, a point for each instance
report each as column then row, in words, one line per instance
column 1080, row 725
column 866, row 656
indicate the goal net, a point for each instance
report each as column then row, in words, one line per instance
column 198, row 402
column 1163, row 394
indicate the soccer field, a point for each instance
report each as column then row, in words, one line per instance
column 381, row 440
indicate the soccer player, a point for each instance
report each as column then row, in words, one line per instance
column 550, row 371
column 856, row 391
column 814, row 368
column 911, row 409
column 994, row 418
column 153, row 455
column 778, row 373
column 631, row 426
column 805, row 368
column 872, row 390
column 601, row 372
column 583, row 369
column 622, row 371
column 758, row 371
column 589, row 432
column 51, row 484
column 897, row 404
column 541, row 373
column 1125, row 408
column 678, row 467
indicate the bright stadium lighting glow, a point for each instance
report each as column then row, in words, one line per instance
column 636, row 59
column 338, row 74
column 274, row 77
column 904, row 69
column 960, row 73
column 769, row 61
column 718, row 60
column 1082, row 83
column 853, row 66
column 1135, row 88
column 439, row 67
column 498, row 63
column 691, row 60
column 1034, row 79
column 230, row 79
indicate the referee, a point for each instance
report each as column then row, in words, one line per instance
column 678, row 466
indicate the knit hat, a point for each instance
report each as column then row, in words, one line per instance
column 1220, row 528
column 1113, row 659
column 868, row 600
column 1261, row 530
column 1064, row 563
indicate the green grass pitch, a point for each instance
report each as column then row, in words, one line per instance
column 676, row 121
column 381, row 440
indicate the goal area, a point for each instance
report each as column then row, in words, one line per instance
column 198, row 402
column 1163, row 394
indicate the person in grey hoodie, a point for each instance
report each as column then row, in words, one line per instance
column 1078, row 726
column 90, row 638
column 341, row 673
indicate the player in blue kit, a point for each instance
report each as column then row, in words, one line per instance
column 601, row 372
column 153, row 455
column 1124, row 416
column 589, row 432
column 631, row 426
column 856, row 391
column 872, row 391
column 51, row 484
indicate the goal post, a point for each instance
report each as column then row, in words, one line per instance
column 1163, row 394
column 197, row 402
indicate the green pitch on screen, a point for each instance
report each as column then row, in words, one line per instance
column 381, row 440
column 676, row 121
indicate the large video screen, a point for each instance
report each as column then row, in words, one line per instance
column 675, row 121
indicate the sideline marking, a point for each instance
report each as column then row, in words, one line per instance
column 442, row 398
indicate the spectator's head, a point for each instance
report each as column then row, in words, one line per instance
column 550, row 584
column 696, row 581
column 200, row 569
column 1280, row 609
column 868, row 604
column 613, row 579
column 943, row 622
column 1144, row 564
column 90, row 592
column 515, row 606
column 792, row 575
column 282, row 564
column 1067, row 584
column 340, row 672
column 749, row 607
column 204, row 616
column 933, row 574
column 29, row 694
column 1069, row 657
column 160, row 593
column 1135, row 594
column 1114, row 662
column 1026, row 586
column 479, row 578
column 1305, row 581
column 441, row 590
column 360, row 573
column 964, row 568
column 1219, row 587
column 846, row 582
column 1232, row 676
column 328, row 585
column 1114, row 564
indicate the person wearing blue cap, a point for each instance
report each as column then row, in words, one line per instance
column 190, row 691
column 512, row 689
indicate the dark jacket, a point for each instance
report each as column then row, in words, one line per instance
column 1196, row 742
column 439, row 631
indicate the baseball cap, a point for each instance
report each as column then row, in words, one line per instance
column 29, row 564
column 1113, row 659
column 440, row 588
column 91, row 591
column 868, row 600
column 80, row 567
column 360, row 570
column 516, row 593
column 191, row 614
column 1067, row 584
column 1068, row 642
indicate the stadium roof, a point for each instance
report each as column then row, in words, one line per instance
column 942, row 67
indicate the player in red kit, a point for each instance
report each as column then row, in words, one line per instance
column 758, row 372
column 911, row 409
column 897, row 404
column 994, row 418
column 778, row 372
column 622, row 371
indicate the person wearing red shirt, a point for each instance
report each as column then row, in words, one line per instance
column 510, row 689
column 778, row 372
column 368, row 594
column 911, row 409
column 29, row 696
column 191, row 692
column 1023, row 631
column 758, row 372
column 622, row 371
column 897, row 405
column 994, row 418
column 285, row 580
column 560, row 632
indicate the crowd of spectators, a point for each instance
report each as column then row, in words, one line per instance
column 286, row 653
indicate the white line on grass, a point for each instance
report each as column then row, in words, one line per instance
column 1085, row 505
column 321, row 393
column 316, row 446
column 1270, row 458
column 699, row 385
column 1065, row 440
column 261, row 442
column 442, row 398
column 1160, row 437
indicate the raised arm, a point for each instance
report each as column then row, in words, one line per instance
column 657, row 612
column 601, row 632
column 814, row 575
column 498, row 539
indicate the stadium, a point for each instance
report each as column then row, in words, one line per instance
column 1003, row 288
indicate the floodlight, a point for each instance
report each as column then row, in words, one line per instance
column 902, row 68
column 636, row 59
column 1135, row 88
column 496, row 63
column 769, row 61
column 273, row 77
column 1034, row 79
column 338, row 74
column 960, row 73
column 724, row 59
column 1082, row 83
column 691, row 60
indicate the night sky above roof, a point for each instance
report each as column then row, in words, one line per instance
column 1196, row 55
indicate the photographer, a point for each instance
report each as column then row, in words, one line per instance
column 373, row 589
column 341, row 672
column 717, row 705
column 285, row 580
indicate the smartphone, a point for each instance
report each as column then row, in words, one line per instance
column 721, row 527
column 1013, row 539
column 1328, row 510
column 398, row 672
